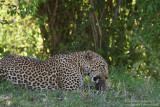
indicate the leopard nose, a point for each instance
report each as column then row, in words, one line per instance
column 106, row 76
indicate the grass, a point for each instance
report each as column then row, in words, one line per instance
column 128, row 91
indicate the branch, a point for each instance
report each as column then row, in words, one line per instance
column 54, row 13
column 116, row 11
column 94, row 31
column 99, row 27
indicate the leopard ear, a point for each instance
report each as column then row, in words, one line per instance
column 89, row 55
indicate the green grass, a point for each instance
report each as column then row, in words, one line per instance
column 128, row 91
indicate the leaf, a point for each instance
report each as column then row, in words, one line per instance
column 23, row 14
column 2, row 0
column 13, row 12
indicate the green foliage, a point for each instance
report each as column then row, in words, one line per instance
column 147, row 38
column 20, row 35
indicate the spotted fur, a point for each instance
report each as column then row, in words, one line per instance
column 63, row 71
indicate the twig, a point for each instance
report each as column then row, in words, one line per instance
column 5, row 98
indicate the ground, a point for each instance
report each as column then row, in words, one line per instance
column 128, row 91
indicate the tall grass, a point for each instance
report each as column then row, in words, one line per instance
column 126, row 91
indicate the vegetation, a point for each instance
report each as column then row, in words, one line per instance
column 125, row 32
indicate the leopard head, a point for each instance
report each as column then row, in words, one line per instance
column 95, row 65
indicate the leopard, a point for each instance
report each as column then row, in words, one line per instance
column 59, row 72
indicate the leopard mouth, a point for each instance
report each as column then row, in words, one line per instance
column 100, row 83
column 96, row 78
